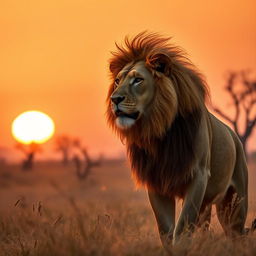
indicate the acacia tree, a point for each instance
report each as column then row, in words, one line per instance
column 64, row 144
column 84, row 166
column 242, row 91
column 29, row 150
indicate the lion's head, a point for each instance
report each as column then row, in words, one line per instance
column 152, row 83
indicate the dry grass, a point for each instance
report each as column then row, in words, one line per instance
column 121, row 231
column 42, row 214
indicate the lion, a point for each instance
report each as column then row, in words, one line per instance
column 176, row 147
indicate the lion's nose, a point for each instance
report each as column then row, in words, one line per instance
column 117, row 99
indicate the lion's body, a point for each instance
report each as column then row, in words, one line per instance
column 156, row 104
column 228, row 165
column 216, row 139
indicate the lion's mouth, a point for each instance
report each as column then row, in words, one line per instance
column 120, row 113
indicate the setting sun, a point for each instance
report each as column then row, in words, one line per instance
column 32, row 127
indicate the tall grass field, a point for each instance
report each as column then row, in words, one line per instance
column 50, row 211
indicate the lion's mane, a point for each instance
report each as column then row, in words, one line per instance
column 161, row 145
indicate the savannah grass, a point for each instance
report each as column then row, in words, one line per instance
column 113, row 230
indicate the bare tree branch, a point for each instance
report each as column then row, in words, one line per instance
column 243, row 101
column 83, row 167
column 250, row 126
column 235, row 98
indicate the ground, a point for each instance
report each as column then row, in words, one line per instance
column 50, row 211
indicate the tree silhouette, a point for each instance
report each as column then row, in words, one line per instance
column 84, row 166
column 72, row 148
column 64, row 144
column 29, row 150
column 242, row 91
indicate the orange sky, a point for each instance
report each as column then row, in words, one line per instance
column 53, row 55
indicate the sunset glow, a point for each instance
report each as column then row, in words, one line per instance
column 54, row 57
column 32, row 127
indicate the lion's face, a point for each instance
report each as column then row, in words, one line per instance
column 151, row 85
column 133, row 93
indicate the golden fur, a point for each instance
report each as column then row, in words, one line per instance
column 176, row 147
column 179, row 97
column 186, row 81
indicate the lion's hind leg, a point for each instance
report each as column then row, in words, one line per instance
column 232, row 211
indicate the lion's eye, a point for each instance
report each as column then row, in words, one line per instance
column 137, row 80
column 117, row 80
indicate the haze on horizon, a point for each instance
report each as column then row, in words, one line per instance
column 54, row 56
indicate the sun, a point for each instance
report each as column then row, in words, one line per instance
column 32, row 127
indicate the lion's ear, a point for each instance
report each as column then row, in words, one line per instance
column 160, row 62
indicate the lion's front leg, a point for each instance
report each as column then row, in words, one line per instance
column 164, row 210
column 192, row 203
